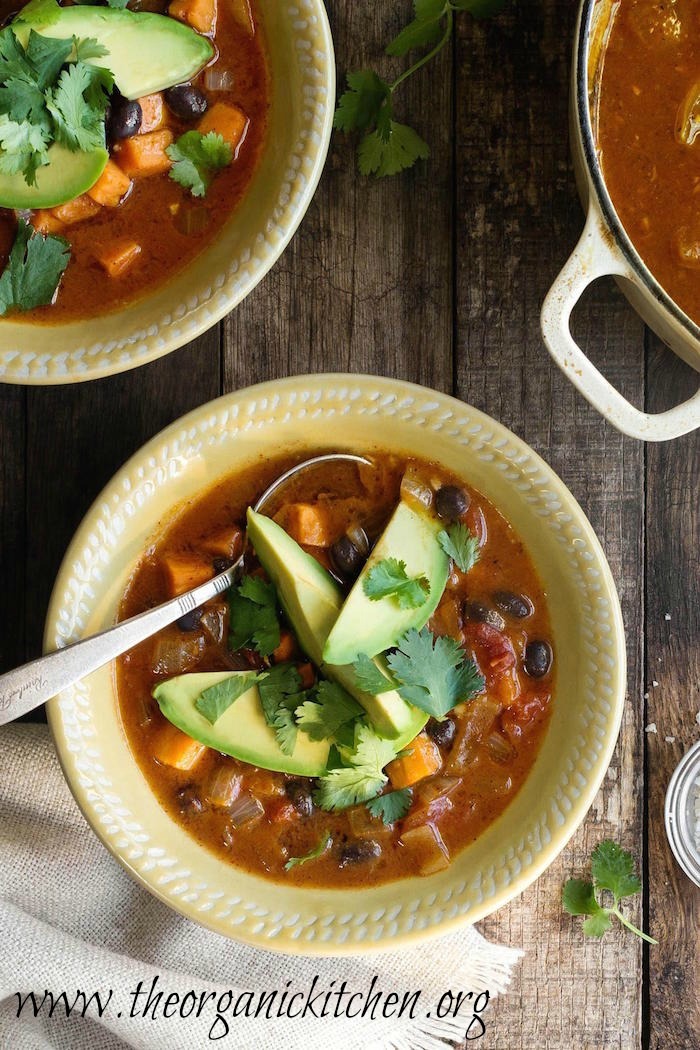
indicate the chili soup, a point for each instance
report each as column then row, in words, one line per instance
column 366, row 753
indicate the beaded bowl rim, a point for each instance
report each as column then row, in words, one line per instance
column 330, row 933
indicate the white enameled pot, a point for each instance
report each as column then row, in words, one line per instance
column 605, row 250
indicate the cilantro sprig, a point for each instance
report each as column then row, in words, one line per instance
column 388, row 578
column 429, row 672
column 613, row 871
column 196, row 159
column 313, row 854
column 387, row 146
column 254, row 619
column 392, row 806
column 49, row 93
column 460, row 544
column 33, row 271
column 215, row 701
column 362, row 776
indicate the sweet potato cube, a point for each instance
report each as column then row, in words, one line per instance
column 117, row 258
column 174, row 748
column 309, row 524
column 226, row 543
column 145, row 154
column 200, row 14
column 152, row 112
column 183, row 572
column 77, row 210
column 46, row 222
column 422, row 760
column 112, row 186
column 226, row 120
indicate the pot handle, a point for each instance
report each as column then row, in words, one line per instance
column 594, row 257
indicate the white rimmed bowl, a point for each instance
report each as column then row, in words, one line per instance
column 348, row 412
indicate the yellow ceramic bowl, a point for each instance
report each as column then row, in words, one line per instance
column 302, row 66
column 348, row 412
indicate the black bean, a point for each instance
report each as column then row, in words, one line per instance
column 442, row 733
column 300, row 797
column 516, row 605
column 482, row 614
column 538, row 658
column 186, row 102
column 125, row 118
column 220, row 565
column 188, row 800
column 359, row 852
column 190, row 621
column 346, row 557
column 451, row 502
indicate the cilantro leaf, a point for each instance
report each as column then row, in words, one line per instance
column 89, row 48
column 387, row 152
column 392, row 806
column 433, row 673
column 362, row 777
column 360, row 104
column 280, row 693
column 254, row 620
column 461, row 545
column 33, row 271
column 23, row 148
column 77, row 105
column 313, row 854
column 329, row 710
column 388, row 579
column 196, row 158
column 369, row 677
column 46, row 56
column 214, row 701
column 423, row 30
column 613, row 871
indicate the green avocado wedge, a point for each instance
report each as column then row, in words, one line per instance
column 370, row 627
column 66, row 176
column 312, row 600
column 241, row 731
column 145, row 52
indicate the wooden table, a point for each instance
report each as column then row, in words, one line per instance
column 438, row 277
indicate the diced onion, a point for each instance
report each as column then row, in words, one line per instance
column 481, row 714
column 415, row 487
column 437, row 787
column 218, row 79
column 499, row 748
column 426, row 841
column 223, row 787
column 213, row 623
column 175, row 654
column 246, row 809
column 192, row 219
column 688, row 119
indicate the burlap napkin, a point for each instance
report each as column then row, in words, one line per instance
column 71, row 920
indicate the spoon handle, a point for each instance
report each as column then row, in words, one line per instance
column 34, row 683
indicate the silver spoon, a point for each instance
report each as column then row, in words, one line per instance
column 34, row 683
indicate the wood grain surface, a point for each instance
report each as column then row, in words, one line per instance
column 438, row 276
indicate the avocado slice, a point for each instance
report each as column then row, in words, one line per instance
column 145, row 52
column 312, row 600
column 242, row 730
column 366, row 626
column 66, row 176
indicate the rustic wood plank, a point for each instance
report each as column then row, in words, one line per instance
column 517, row 217
column 78, row 436
column 673, row 685
column 12, row 538
column 366, row 284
